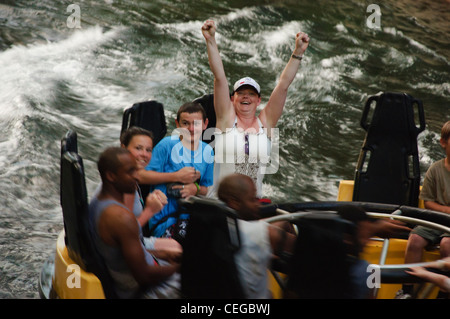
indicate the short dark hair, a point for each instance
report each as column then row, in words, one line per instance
column 109, row 160
column 445, row 132
column 232, row 186
column 191, row 107
column 127, row 135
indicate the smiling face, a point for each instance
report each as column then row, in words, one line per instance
column 141, row 147
column 246, row 100
column 192, row 125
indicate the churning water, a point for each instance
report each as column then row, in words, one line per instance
column 55, row 76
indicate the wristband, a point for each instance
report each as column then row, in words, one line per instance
column 298, row 57
column 198, row 188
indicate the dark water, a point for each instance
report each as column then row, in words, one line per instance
column 53, row 78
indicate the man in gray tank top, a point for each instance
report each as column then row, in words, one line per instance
column 117, row 235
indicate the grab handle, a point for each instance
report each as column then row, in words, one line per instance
column 421, row 128
column 364, row 124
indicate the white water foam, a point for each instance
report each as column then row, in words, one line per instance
column 30, row 72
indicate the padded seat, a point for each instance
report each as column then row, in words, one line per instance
column 74, row 203
column 388, row 166
column 208, row 269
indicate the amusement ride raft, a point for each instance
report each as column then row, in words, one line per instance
column 386, row 185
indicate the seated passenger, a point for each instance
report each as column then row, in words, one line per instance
column 260, row 241
column 139, row 142
column 136, row 271
column 436, row 196
column 181, row 151
column 251, row 134
column 336, row 241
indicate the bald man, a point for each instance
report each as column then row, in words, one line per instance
column 260, row 241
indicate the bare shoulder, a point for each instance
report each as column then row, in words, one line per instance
column 115, row 223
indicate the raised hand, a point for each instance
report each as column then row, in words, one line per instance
column 156, row 201
column 301, row 43
column 209, row 29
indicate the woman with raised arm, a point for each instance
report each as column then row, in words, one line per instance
column 242, row 138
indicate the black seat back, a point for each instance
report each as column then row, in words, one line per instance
column 148, row 115
column 69, row 145
column 320, row 267
column 388, row 166
column 212, row 237
column 74, row 207
column 74, row 203
column 69, row 142
column 207, row 101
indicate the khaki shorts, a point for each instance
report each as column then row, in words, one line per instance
column 433, row 236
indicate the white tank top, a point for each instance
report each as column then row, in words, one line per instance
column 253, row 258
column 241, row 152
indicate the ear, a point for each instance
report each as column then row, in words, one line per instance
column 177, row 124
column 110, row 176
column 205, row 124
column 235, row 204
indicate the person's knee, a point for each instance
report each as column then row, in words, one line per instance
column 445, row 247
column 416, row 242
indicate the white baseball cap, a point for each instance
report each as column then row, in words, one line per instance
column 246, row 81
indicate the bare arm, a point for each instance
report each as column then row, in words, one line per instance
column 191, row 190
column 270, row 115
column 153, row 204
column 184, row 175
column 118, row 227
column 437, row 207
column 280, row 240
column 441, row 281
column 225, row 112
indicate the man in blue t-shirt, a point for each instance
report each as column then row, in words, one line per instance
column 173, row 154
